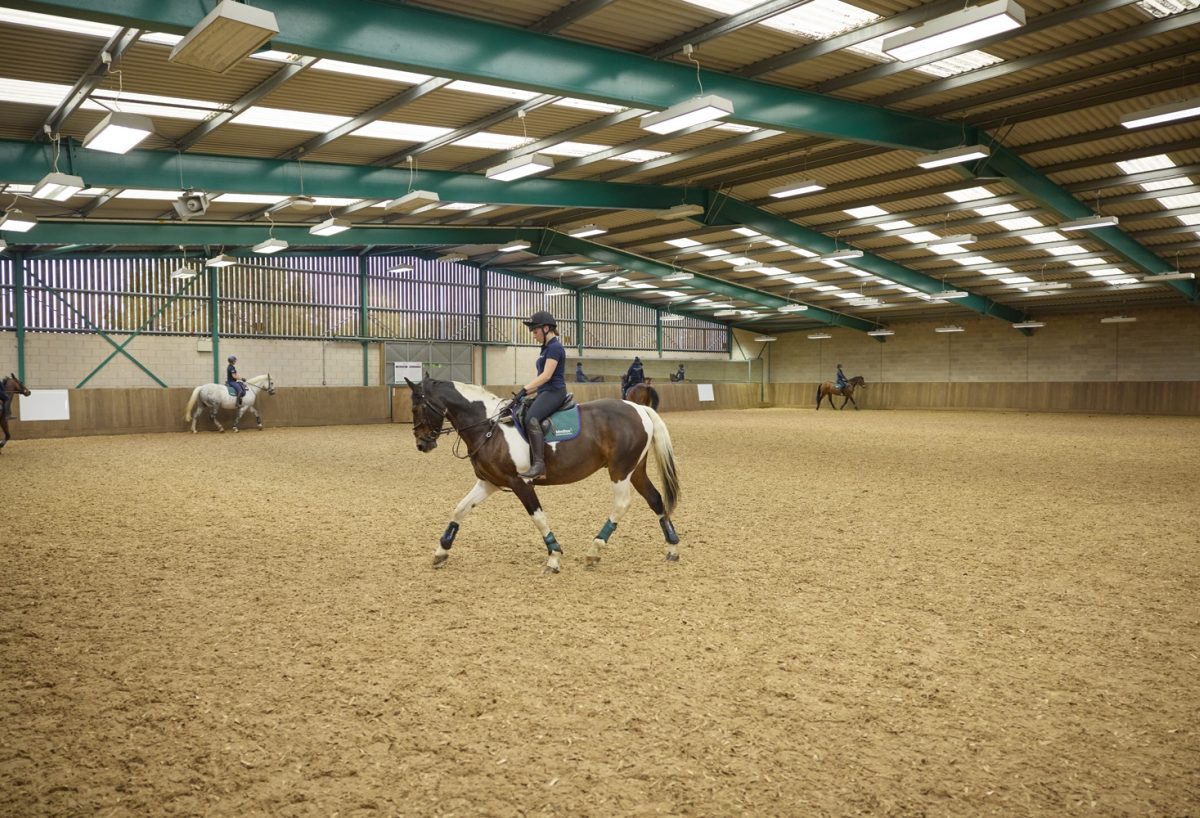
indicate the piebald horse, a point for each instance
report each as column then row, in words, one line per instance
column 828, row 390
column 613, row 434
column 11, row 386
column 215, row 396
column 643, row 393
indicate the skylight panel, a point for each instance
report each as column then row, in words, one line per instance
column 1085, row 262
column 34, row 20
column 1021, row 223
column 32, row 93
column 358, row 70
column 149, row 195
column 973, row 261
column 640, row 156
column 1190, row 218
column 826, row 288
column 334, row 201
column 713, row 253
column 737, row 261
column 905, row 289
column 996, row 210
column 465, row 206
column 899, row 224
column 575, row 149
column 776, row 243
column 866, row 212
column 800, row 251
column 819, row 19
column 801, row 280
column 400, row 131
column 146, row 109
column 733, row 127
column 290, row 120
column 946, row 249
column 589, row 105
column 491, row 141
column 1017, row 280
column 746, row 231
column 1045, row 238
column 1183, row 200
column 773, row 271
column 160, row 38
column 1069, row 250
column 641, row 285
column 1104, row 272
column 673, row 293
column 1117, row 282
column 683, row 242
column 491, row 90
column 1166, row 184
column 248, row 198
column 959, row 64
column 920, row 235
column 997, row 271
column 1142, row 164
column 182, row 102
column 276, row 56
column 969, row 194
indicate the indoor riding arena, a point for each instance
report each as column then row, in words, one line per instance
column 933, row 484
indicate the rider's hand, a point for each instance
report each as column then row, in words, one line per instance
column 520, row 396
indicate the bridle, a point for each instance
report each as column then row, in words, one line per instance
column 4, row 385
column 427, row 405
column 270, row 387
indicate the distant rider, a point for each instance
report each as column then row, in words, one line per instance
column 232, row 379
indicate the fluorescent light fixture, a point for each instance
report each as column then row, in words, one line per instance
column 681, row 211
column 954, row 156
column 585, row 230
column 793, row 308
column 726, row 313
column 1090, row 223
column 57, row 187
column 1047, row 285
column 795, row 188
column 819, row 336
column 765, row 339
column 948, row 328
column 748, row 267
column 557, row 291
column 879, row 333
column 680, row 275
column 183, row 273
column 270, row 246
column 1029, row 324
column 17, row 223
column 221, row 261
column 670, row 316
column 961, row 238
column 451, row 257
column 329, row 227
column 520, row 167
column 118, row 132
column 865, row 301
column 1163, row 113
column 954, row 29
column 839, row 255
column 401, row 268
column 690, row 112
column 949, row 295
column 227, row 35
column 610, row 285
column 411, row 201
column 1118, row 319
column 514, row 246
column 1171, row 276
column 685, row 114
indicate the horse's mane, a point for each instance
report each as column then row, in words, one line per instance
column 477, row 393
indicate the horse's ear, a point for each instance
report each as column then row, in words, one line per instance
column 411, row 385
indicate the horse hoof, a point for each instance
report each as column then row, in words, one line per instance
column 591, row 562
column 439, row 560
column 236, row 429
column 550, row 569
column 672, row 558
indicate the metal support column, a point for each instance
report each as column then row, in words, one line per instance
column 214, row 322
column 362, row 317
column 483, row 326
column 658, row 331
column 18, row 268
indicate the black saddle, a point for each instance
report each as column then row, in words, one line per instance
column 568, row 402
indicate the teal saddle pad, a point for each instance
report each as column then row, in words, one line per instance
column 564, row 425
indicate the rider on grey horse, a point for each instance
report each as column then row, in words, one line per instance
column 232, row 379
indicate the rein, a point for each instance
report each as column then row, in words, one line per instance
column 451, row 429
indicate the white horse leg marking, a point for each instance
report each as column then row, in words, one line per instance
column 478, row 493
column 622, row 496
column 543, row 526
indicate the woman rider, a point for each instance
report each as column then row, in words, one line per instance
column 550, row 385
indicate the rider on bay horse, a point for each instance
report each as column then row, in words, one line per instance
column 841, row 378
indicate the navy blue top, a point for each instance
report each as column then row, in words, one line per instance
column 230, row 373
column 553, row 350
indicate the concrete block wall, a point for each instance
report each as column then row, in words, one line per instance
column 1163, row 345
column 61, row 361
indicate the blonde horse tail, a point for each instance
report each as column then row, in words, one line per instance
column 664, row 455
column 187, row 413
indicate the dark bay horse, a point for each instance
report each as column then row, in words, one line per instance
column 828, row 390
column 10, row 386
column 643, row 393
column 613, row 434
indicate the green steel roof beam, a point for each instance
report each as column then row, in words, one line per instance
column 26, row 162
column 724, row 210
column 448, row 45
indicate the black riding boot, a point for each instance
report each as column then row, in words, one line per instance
column 537, row 448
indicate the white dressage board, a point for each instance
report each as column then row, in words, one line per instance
column 44, row 404
column 704, row 391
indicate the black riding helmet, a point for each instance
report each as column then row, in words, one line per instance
column 541, row 318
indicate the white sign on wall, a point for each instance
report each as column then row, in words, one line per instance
column 705, row 391
column 406, row 369
column 44, row 404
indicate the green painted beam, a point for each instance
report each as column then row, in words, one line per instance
column 420, row 39
column 1033, row 184
column 724, row 210
column 26, row 162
